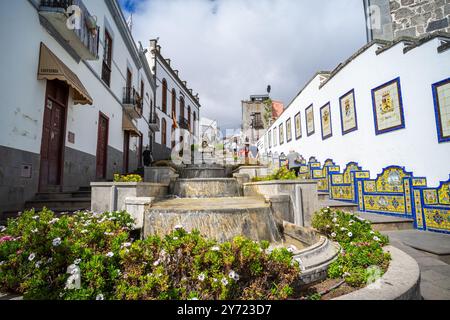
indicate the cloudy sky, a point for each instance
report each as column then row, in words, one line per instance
column 228, row 50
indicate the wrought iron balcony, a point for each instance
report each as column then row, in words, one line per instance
column 132, row 102
column 183, row 123
column 82, row 35
column 155, row 122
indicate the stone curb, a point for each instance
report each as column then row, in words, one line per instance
column 400, row 282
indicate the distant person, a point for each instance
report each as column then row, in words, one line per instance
column 147, row 155
column 294, row 161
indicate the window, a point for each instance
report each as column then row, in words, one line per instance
column 141, row 99
column 181, row 107
column 189, row 118
column 107, row 58
column 194, row 124
column 163, row 131
column 174, row 104
column 164, row 96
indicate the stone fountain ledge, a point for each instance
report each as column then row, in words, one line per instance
column 400, row 282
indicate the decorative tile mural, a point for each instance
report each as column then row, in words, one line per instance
column 387, row 107
column 309, row 115
column 441, row 95
column 288, row 130
column 325, row 120
column 298, row 126
column 281, row 131
column 342, row 185
column 349, row 122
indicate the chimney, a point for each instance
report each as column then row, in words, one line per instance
column 153, row 44
column 158, row 47
column 191, row 91
column 185, row 83
column 176, row 71
column 168, row 61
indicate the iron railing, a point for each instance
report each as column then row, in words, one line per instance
column 183, row 123
column 89, row 37
column 131, row 97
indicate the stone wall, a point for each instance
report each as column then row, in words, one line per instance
column 417, row 17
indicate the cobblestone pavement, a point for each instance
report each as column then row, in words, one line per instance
column 432, row 253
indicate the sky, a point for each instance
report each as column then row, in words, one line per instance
column 228, row 50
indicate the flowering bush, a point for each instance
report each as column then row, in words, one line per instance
column 127, row 178
column 91, row 256
column 281, row 174
column 361, row 246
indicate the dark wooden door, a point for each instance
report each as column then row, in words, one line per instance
column 102, row 146
column 53, row 134
column 126, row 151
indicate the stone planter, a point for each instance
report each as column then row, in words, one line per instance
column 302, row 193
column 253, row 171
column 159, row 174
column 111, row 196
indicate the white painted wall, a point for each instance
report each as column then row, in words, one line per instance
column 416, row 147
column 162, row 72
column 23, row 95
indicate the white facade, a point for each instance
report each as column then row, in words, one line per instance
column 416, row 147
column 209, row 129
column 163, row 70
column 24, row 96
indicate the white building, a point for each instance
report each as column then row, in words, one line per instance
column 177, row 107
column 76, row 102
column 409, row 76
column 209, row 130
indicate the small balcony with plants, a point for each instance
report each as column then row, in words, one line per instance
column 132, row 102
column 74, row 23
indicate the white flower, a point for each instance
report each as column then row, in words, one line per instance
column 215, row 248
column 327, row 226
column 34, row 230
column 333, row 235
column 194, row 298
column 77, row 261
column 84, row 231
column 2, row 263
column 56, row 242
column 346, row 274
column 201, row 277
column 233, row 275
column 343, row 229
column 49, row 260
column 38, row 264
column 175, row 238
column 224, row 281
column 336, row 225
column 31, row 257
column 35, row 217
column 54, row 220
column 100, row 297
column 126, row 245
column 2, row 228
column 110, row 254
column 376, row 238
column 156, row 263
column 350, row 234
column 178, row 227
column 109, row 233
column 371, row 232
column 215, row 280
column 292, row 248
column 334, row 220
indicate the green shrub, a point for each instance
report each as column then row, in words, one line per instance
column 361, row 246
column 282, row 173
column 41, row 254
column 127, row 178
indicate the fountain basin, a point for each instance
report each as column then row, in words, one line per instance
column 206, row 188
column 203, row 172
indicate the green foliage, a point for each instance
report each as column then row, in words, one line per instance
column 39, row 251
column 127, row 178
column 282, row 173
column 361, row 246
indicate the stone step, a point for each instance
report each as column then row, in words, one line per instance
column 207, row 188
column 381, row 222
column 340, row 205
column 65, row 203
column 62, row 195
column 323, row 195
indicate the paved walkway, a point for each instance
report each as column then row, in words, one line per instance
column 432, row 253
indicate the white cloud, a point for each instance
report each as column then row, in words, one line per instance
column 248, row 44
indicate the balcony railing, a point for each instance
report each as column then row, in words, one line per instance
column 132, row 102
column 84, row 40
column 183, row 123
column 154, row 122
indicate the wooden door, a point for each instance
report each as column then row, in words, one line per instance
column 53, row 134
column 126, row 151
column 102, row 146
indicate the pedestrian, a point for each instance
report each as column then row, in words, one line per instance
column 294, row 161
